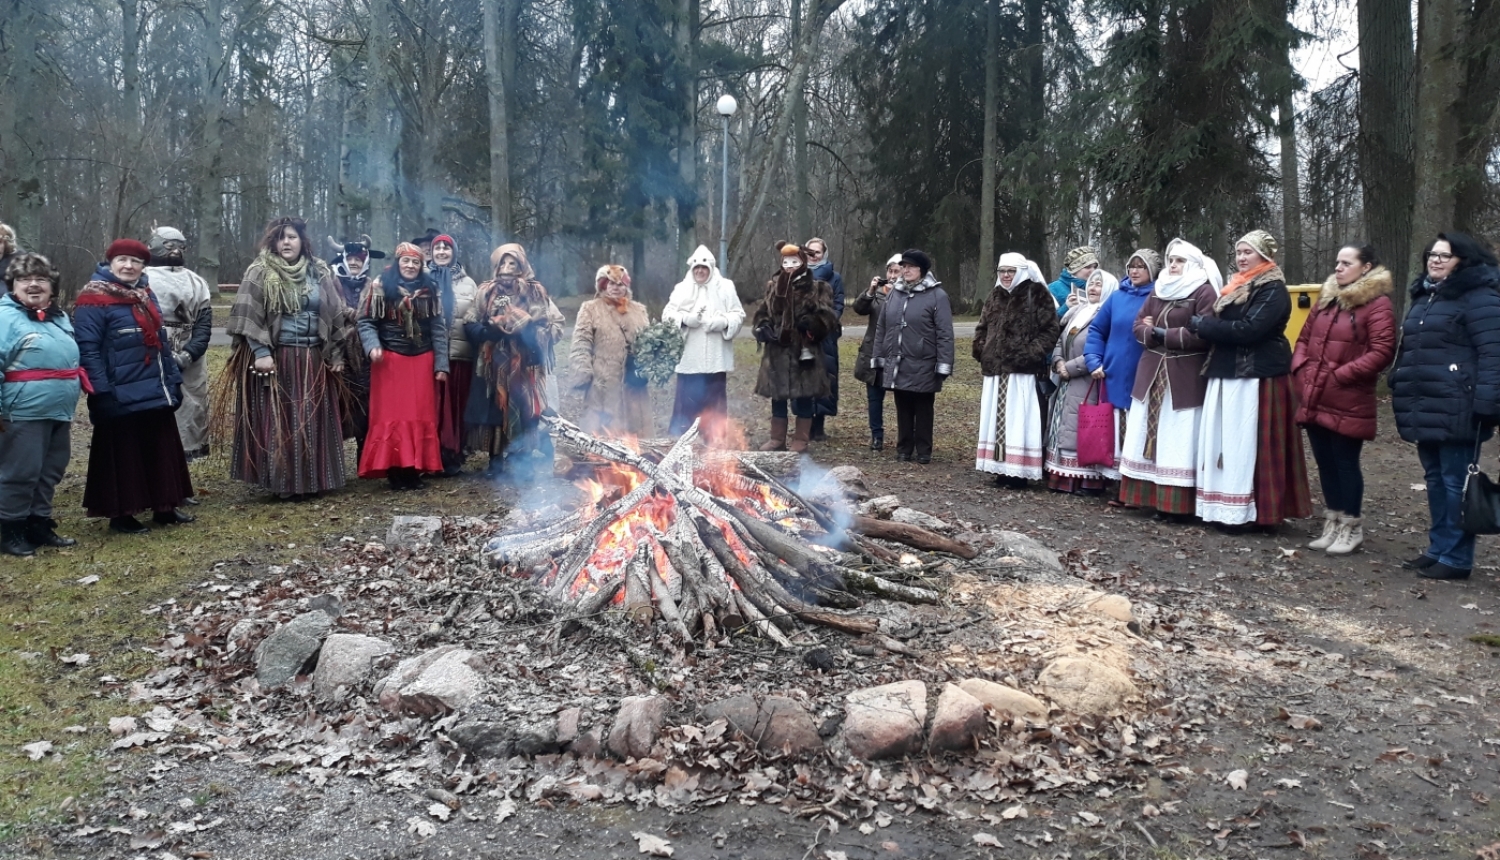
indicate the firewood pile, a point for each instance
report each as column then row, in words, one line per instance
column 704, row 544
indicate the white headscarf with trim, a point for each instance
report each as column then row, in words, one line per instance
column 1198, row 271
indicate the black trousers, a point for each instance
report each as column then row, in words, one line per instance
column 914, row 422
column 1337, row 456
column 875, row 402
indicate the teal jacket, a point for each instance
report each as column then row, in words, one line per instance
column 27, row 343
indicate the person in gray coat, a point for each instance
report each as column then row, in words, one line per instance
column 914, row 352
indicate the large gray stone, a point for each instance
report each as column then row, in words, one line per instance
column 449, row 684
column 885, row 721
column 776, row 725
column 435, row 682
column 920, row 519
column 636, row 726
column 958, row 721
column 283, row 654
column 414, row 532
column 498, row 739
column 345, row 662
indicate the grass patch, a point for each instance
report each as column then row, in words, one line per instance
column 1489, row 639
column 46, row 613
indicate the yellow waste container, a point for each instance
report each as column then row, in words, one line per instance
column 1303, row 297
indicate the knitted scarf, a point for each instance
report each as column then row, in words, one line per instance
column 106, row 289
column 287, row 284
column 443, row 277
column 1247, row 276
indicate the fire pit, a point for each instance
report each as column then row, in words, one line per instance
column 709, row 544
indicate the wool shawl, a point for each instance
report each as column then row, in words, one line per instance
column 106, row 289
column 392, row 297
column 251, row 320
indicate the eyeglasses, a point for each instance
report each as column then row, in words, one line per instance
column 27, row 280
column 1439, row 258
column 1006, row 271
column 1135, row 266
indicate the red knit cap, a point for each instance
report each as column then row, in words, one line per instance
column 127, row 248
column 445, row 239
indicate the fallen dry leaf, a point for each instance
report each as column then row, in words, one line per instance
column 651, row 844
column 121, row 725
column 1238, row 779
column 420, row 826
column 506, row 809
column 1300, row 721
column 1017, row 811
column 987, row 839
column 38, row 750
column 440, row 811
column 79, row 659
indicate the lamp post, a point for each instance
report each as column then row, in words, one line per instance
column 726, row 107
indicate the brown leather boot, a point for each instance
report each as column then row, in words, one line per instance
column 801, row 435
column 778, row 436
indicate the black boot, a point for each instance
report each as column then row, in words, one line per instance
column 13, row 539
column 818, row 434
column 41, row 532
column 877, row 440
column 173, row 517
column 127, row 526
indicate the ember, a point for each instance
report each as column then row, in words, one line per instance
column 696, row 543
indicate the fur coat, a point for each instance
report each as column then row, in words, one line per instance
column 1017, row 330
column 794, row 316
column 602, row 339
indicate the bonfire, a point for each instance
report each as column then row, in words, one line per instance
column 707, row 542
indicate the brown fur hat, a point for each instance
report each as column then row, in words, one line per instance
column 26, row 263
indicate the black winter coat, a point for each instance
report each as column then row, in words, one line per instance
column 867, row 305
column 1447, row 372
column 1247, row 336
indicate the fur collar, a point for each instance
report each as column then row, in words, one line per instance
column 1371, row 286
column 1242, row 293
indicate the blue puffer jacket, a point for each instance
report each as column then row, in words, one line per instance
column 1447, row 373
column 128, row 376
column 1112, row 344
column 27, row 343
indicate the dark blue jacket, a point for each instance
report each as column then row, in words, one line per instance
column 1447, row 372
column 1112, row 344
column 127, row 375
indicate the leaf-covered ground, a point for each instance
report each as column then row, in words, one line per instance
column 1332, row 708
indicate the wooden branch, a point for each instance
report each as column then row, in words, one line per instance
column 882, row 587
column 914, row 536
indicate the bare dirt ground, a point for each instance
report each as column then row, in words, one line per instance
column 1339, row 710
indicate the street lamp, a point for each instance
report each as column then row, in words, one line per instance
column 726, row 107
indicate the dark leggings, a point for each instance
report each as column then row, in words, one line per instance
column 1337, row 456
column 802, row 407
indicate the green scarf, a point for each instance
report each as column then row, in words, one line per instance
column 286, row 284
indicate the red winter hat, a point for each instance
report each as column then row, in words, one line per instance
column 127, row 248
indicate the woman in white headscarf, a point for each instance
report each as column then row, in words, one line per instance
column 705, row 305
column 1070, row 373
column 1251, row 469
column 1159, row 461
column 1012, row 343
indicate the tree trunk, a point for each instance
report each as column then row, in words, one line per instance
column 380, row 114
column 688, row 206
column 990, row 154
column 1477, row 117
column 23, row 199
column 1291, row 191
column 1036, row 110
column 796, row 80
column 211, row 145
column 1435, row 131
column 499, row 45
column 1385, row 131
column 130, row 107
column 801, row 218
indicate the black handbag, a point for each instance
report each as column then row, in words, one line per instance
column 1480, row 512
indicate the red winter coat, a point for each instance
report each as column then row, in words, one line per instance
column 1349, row 339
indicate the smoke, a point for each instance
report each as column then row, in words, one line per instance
column 821, row 486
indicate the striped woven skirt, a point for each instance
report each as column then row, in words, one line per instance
column 288, row 436
column 1010, row 427
column 1251, row 466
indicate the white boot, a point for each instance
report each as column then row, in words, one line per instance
column 1330, row 530
column 1350, row 535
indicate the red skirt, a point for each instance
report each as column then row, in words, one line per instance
column 453, row 399
column 403, row 416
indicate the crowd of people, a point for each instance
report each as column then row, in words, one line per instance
column 1170, row 388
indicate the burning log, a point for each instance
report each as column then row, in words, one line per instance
column 914, row 536
column 703, row 550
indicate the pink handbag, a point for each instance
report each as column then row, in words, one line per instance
column 1096, row 429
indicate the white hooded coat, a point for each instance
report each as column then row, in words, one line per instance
column 710, row 315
